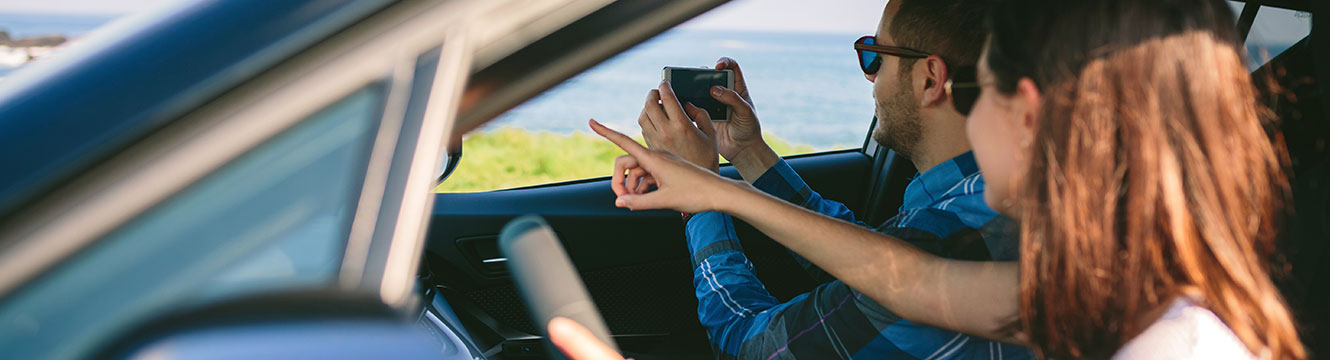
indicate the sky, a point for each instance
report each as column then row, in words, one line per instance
column 825, row 16
column 97, row 7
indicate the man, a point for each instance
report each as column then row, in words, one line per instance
column 919, row 44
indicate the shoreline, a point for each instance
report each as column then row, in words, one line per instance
column 17, row 52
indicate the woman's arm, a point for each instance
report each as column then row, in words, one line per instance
column 977, row 298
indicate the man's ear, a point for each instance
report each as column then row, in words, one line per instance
column 935, row 79
column 1029, row 99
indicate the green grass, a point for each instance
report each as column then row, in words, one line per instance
column 510, row 157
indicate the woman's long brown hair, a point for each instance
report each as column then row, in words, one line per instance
column 1152, row 177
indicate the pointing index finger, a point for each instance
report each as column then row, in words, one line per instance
column 623, row 141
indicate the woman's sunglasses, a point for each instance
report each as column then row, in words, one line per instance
column 963, row 86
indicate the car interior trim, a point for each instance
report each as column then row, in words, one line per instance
column 1247, row 17
column 409, row 236
column 376, row 177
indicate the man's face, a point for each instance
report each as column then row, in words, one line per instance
column 898, row 122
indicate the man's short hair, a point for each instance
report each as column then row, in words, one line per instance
column 951, row 29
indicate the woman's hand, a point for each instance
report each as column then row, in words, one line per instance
column 577, row 342
column 680, row 185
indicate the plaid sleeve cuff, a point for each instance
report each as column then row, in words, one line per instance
column 782, row 182
column 710, row 233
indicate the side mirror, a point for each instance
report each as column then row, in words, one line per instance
column 450, row 162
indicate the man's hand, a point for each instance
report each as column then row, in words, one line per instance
column 740, row 139
column 666, row 127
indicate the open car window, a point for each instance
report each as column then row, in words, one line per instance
column 797, row 59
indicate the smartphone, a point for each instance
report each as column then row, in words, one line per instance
column 693, row 85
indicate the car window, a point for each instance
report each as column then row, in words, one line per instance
column 277, row 217
column 796, row 56
column 1274, row 31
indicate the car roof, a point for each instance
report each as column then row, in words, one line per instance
column 61, row 116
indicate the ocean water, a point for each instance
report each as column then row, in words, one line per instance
column 807, row 88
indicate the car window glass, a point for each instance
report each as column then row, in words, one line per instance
column 1274, row 31
column 797, row 58
column 277, row 217
column 1236, row 6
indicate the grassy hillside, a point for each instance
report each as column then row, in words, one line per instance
column 510, row 157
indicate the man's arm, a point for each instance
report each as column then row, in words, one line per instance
column 744, row 321
column 977, row 298
column 731, row 301
column 781, row 181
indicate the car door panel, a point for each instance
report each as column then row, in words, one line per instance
column 635, row 264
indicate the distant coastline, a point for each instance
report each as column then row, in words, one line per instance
column 25, row 37
column 15, row 52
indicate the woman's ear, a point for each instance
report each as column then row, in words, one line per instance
column 1029, row 100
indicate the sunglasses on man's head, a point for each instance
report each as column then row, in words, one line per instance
column 963, row 87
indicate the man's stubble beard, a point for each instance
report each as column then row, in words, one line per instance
column 898, row 123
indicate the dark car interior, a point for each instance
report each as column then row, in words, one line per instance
column 636, row 267
column 1289, row 86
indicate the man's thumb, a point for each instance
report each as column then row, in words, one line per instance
column 702, row 119
column 732, row 98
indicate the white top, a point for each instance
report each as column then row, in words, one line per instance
column 1185, row 331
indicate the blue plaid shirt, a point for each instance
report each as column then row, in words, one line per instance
column 943, row 212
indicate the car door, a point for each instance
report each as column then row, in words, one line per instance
column 278, row 182
column 635, row 264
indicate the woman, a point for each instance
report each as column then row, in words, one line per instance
column 1126, row 138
